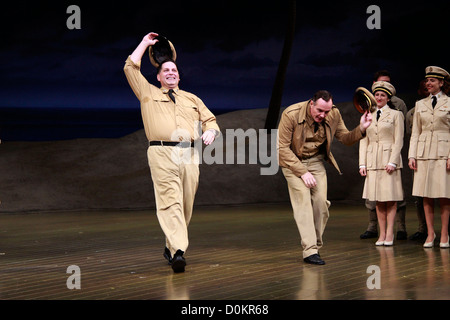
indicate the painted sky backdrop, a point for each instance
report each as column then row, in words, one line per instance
column 228, row 51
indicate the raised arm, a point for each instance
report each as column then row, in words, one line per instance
column 147, row 41
column 132, row 66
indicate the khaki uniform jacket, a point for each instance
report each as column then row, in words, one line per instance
column 430, row 137
column 292, row 137
column 163, row 119
column 384, row 141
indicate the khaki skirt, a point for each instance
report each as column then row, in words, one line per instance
column 382, row 186
column 431, row 179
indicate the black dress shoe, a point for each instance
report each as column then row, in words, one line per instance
column 178, row 262
column 314, row 259
column 402, row 235
column 369, row 235
column 419, row 236
column 167, row 255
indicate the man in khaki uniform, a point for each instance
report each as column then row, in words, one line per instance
column 170, row 118
column 306, row 131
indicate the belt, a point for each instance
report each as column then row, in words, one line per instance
column 181, row 144
column 317, row 155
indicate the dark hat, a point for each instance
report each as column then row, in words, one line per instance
column 436, row 72
column 364, row 100
column 385, row 87
column 161, row 51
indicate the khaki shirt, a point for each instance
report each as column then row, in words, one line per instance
column 384, row 141
column 313, row 140
column 430, row 137
column 163, row 119
column 292, row 132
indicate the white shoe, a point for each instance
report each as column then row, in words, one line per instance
column 379, row 243
column 389, row 243
column 429, row 244
column 445, row 245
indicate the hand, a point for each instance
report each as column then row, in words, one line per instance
column 149, row 39
column 412, row 164
column 309, row 180
column 363, row 171
column 389, row 169
column 209, row 136
column 366, row 121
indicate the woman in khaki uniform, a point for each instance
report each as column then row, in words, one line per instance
column 429, row 151
column 381, row 162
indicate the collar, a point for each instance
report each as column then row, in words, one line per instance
column 302, row 111
column 383, row 109
column 438, row 95
column 165, row 91
column 308, row 118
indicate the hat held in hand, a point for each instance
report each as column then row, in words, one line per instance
column 363, row 100
column 161, row 51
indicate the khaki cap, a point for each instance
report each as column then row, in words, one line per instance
column 384, row 86
column 436, row 72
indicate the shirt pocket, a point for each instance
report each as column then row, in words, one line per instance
column 386, row 149
column 443, row 145
column 421, row 145
column 159, row 105
column 389, row 121
column 424, row 115
column 444, row 114
column 189, row 112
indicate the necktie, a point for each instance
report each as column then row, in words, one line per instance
column 434, row 101
column 171, row 96
column 378, row 114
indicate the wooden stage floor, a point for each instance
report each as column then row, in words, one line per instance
column 236, row 253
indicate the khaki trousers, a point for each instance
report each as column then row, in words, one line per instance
column 310, row 206
column 175, row 178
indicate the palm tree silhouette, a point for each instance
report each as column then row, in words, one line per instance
column 277, row 90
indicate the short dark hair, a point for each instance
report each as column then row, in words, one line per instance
column 158, row 69
column 322, row 94
column 382, row 73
